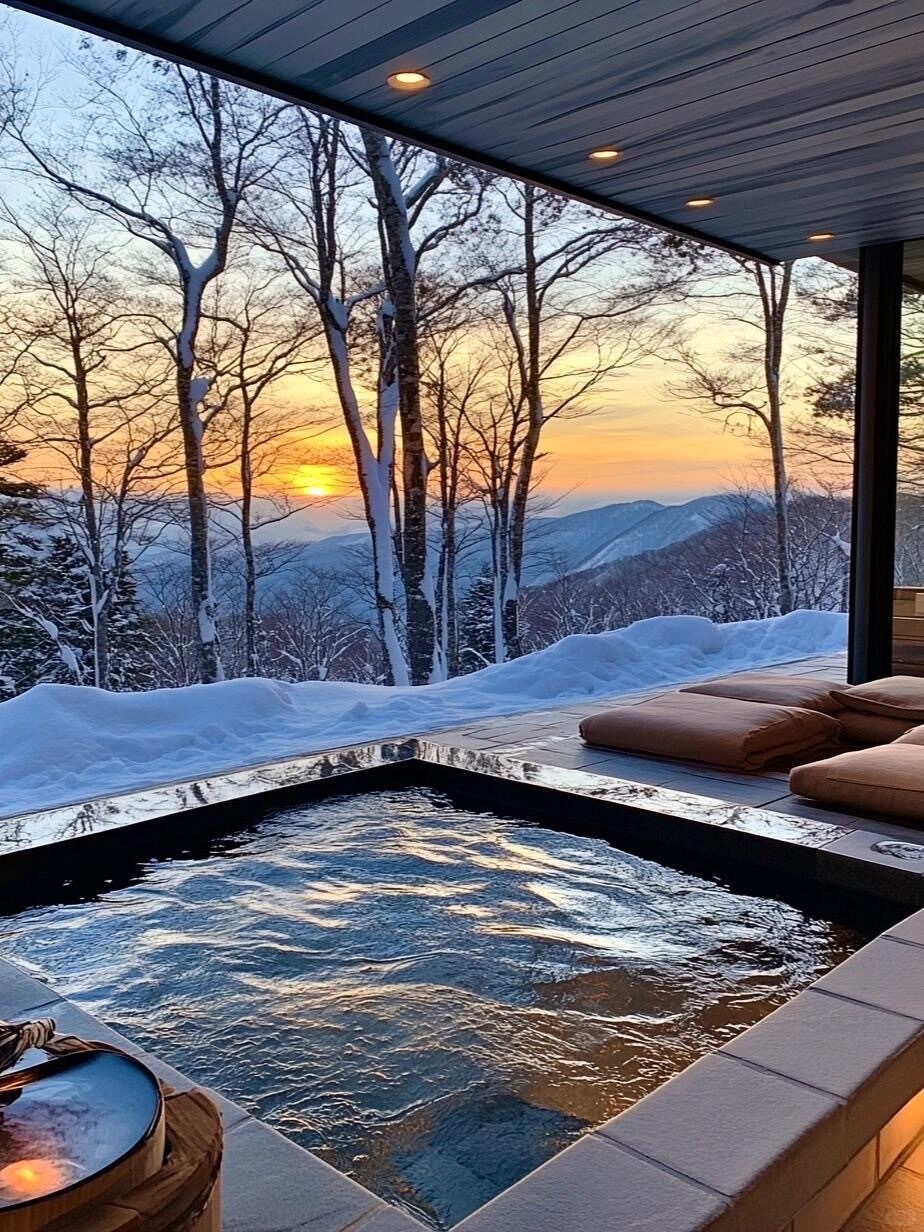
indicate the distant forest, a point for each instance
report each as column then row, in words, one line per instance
column 183, row 258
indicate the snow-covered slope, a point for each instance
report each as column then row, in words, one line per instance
column 61, row 743
column 555, row 545
column 567, row 542
column 665, row 525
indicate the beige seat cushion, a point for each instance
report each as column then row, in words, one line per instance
column 899, row 697
column 722, row 731
column 772, row 687
column 889, row 779
column 858, row 727
column 914, row 736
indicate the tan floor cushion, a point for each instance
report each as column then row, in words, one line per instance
column 857, row 727
column 914, row 736
column 888, row 779
column 772, row 687
column 722, row 731
column 899, row 697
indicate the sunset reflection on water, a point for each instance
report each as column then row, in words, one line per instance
column 433, row 998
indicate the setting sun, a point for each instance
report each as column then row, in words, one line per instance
column 317, row 481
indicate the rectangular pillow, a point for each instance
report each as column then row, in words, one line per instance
column 914, row 736
column 772, row 687
column 719, row 730
column 858, row 727
column 889, row 779
column 899, row 697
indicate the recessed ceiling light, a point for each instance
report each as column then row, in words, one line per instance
column 408, row 79
column 607, row 155
column 818, row 237
column 699, row 203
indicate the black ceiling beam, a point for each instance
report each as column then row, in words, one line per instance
column 72, row 15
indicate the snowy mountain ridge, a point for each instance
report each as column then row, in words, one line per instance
column 570, row 542
column 595, row 537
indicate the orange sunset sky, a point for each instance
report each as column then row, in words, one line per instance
column 641, row 443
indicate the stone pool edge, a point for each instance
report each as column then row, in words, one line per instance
column 268, row 1182
column 761, row 1135
column 766, row 1134
column 849, row 857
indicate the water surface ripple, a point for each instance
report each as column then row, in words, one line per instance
column 433, row 998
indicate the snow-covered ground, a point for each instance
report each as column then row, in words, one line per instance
column 63, row 743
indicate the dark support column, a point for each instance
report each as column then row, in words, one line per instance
column 872, row 559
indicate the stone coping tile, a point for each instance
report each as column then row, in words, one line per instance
column 389, row 1219
column 910, row 929
column 595, row 1186
column 877, row 848
column 765, row 775
column 23, row 995
column 271, row 1185
column 759, row 792
column 870, row 1057
column 892, row 828
column 801, row 806
column 616, row 765
column 886, row 973
column 760, row 1139
column 570, row 758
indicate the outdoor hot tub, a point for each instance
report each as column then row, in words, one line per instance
column 433, row 993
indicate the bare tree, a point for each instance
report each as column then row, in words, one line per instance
column 255, row 342
column 745, row 389
column 88, row 391
column 368, row 306
column 456, row 375
column 311, row 632
column 311, row 221
column 172, row 168
column 570, row 318
column 401, row 369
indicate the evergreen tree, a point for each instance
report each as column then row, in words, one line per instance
column 131, row 648
column 28, row 652
column 476, row 625
column 46, row 630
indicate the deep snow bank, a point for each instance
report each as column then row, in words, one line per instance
column 61, row 743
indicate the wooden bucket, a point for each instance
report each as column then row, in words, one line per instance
column 168, row 1183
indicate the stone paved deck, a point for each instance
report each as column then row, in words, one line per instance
column 550, row 737
column 272, row 1185
column 897, row 1205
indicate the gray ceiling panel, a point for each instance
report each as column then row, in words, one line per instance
column 796, row 115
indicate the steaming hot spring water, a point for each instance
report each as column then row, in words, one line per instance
column 433, row 998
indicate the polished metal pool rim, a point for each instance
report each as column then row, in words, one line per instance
column 36, row 848
column 59, row 844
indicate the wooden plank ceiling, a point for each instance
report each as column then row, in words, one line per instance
column 797, row 116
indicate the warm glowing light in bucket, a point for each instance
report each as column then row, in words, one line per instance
column 30, row 1178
